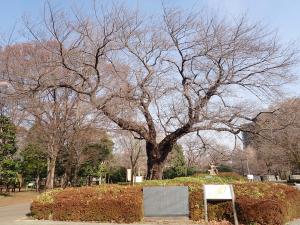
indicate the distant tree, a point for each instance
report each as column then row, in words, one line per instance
column 274, row 138
column 9, row 167
column 132, row 151
column 34, row 164
column 117, row 174
column 7, row 138
column 95, row 154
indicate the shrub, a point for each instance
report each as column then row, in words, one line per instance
column 117, row 174
column 41, row 211
column 106, row 203
column 191, row 171
column 262, row 203
column 224, row 168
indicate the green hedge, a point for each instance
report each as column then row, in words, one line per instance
column 263, row 203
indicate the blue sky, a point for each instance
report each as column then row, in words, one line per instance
column 282, row 15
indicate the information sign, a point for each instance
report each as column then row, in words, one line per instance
column 219, row 193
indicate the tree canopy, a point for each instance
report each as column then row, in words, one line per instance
column 160, row 77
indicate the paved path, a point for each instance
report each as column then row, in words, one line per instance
column 9, row 214
column 295, row 222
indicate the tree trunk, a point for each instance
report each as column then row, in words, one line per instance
column 37, row 183
column 156, row 156
column 157, row 170
column 50, row 173
column 75, row 177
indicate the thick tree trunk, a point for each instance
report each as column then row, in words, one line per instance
column 156, row 156
column 50, row 173
column 157, row 170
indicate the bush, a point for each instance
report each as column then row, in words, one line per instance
column 117, row 174
column 262, row 203
column 224, row 168
column 106, row 203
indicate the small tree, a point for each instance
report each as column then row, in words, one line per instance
column 9, row 172
column 132, row 153
column 34, row 164
column 95, row 154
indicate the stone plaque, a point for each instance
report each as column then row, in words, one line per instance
column 166, row 201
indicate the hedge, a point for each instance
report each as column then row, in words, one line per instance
column 260, row 203
column 106, row 203
column 257, row 203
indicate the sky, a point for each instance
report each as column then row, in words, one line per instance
column 280, row 15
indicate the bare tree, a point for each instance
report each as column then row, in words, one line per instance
column 55, row 112
column 194, row 151
column 277, row 145
column 132, row 149
column 182, row 73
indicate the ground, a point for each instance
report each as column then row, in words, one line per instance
column 13, row 210
column 17, row 198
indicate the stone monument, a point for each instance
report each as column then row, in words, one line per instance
column 213, row 170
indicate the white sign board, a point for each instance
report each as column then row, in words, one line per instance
column 128, row 177
column 138, row 179
column 250, row 177
column 218, row 192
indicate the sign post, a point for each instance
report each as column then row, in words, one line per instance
column 219, row 193
column 128, row 175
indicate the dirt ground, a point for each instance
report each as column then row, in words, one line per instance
column 17, row 198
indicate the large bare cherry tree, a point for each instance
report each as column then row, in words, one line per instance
column 165, row 76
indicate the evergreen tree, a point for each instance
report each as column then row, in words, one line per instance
column 8, row 166
column 96, row 154
column 7, row 138
column 34, row 164
column 176, row 163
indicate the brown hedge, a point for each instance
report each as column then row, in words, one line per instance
column 262, row 203
column 106, row 204
column 41, row 211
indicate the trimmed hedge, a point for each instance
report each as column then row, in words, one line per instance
column 107, row 203
column 257, row 203
column 262, row 203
